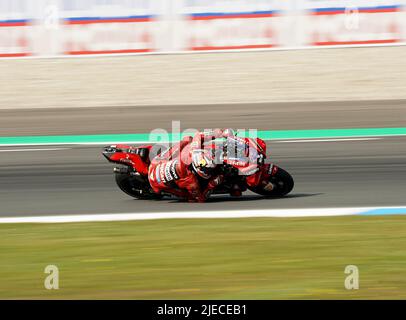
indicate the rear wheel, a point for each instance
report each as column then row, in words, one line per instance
column 283, row 184
column 135, row 188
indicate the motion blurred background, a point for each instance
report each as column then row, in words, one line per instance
column 74, row 72
column 249, row 29
column 58, row 27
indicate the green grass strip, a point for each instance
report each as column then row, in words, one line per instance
column 298, row 258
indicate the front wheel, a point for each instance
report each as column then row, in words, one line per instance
column 135, row 188
column 283, row 184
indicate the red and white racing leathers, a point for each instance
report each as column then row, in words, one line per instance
column 171, row 171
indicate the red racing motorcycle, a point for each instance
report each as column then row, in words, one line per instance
column 131, row 174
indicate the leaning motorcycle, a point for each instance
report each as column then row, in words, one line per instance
column 131, row 174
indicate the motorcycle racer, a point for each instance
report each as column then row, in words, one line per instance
column 198, row 166
column 188, row 169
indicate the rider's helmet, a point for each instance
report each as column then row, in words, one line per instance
column 203, row 163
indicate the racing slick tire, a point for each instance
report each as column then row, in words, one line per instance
column 283, row 184
column 135, row 188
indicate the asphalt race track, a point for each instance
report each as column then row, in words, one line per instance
column 78, row 180
column 327, row 174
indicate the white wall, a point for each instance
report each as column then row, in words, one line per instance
column 81, row 27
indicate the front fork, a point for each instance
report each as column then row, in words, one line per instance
column 273, row 169
column 268, row 183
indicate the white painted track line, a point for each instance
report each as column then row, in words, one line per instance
column 327, row 140
column 106, row 143
column 266, row 213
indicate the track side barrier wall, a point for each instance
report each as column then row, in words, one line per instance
column 91, row 27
